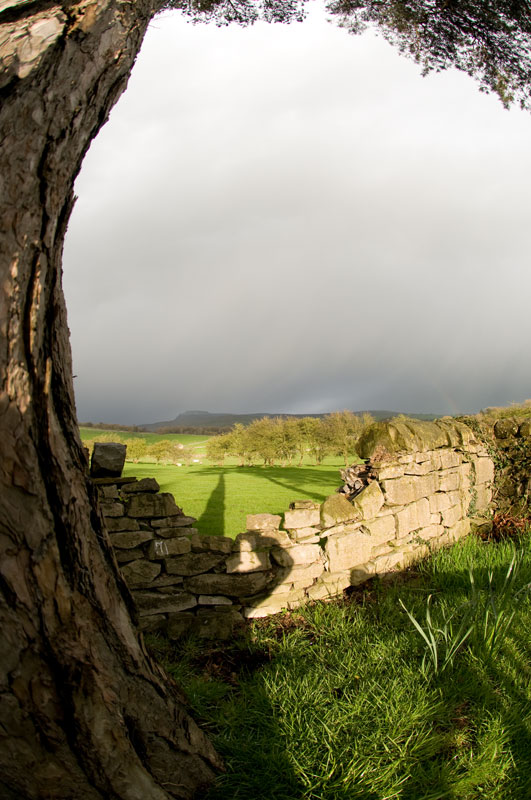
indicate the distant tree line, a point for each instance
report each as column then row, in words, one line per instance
column 287, row 440
column 139, row 449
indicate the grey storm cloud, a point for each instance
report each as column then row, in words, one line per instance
column 289, row 218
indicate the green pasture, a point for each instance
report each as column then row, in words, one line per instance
column 221, row 497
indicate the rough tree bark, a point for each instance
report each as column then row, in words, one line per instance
column 83, row 711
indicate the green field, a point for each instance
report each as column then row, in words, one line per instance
column 221, row 497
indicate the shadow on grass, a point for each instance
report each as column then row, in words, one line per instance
column 213, row 517
column 288, row 477
column 340, row 710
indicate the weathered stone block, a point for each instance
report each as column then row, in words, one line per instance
column 296, row 555
column 484, row 470
column 306, row 533
column 216, row 624
column 192, row 564
column 261, row 540
column 369, row 501
column 179, row 624
column 329, row 585
column 260, row 522
column 415, row 515
column 248, row 561
column 140, row 573
column 435, row 519
column 449, row 480
column 173, row 522
column 451, row 515
column 213, row 600
column 143, row 485
column 129, row 539
column 483, row 496
column 119, row 524
column 460, row 529
column 347, row 551
column 161, row 548
column 505, row 428
column 112, row 509
column 229, row 585
column 431, row 532
column 439, row 502
column 380, row 529
column 201, row 543
column 449, row 459
column 157, row 603
column 124, row 556
column 154, row 622
column 385, row 471
column 388, row 562
column 362, row 573
column 152, row 505
column 336, row 510
column 107, row 460
column 303, row 504
column 273, row 604
column 164, row 581
column 300, row 576
column 301, row 518
column 108, row 492
column 172, row 533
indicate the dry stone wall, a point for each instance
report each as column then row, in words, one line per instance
column 424, row 483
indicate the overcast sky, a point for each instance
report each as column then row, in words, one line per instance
column 291, row 219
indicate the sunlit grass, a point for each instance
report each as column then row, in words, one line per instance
column 330, row 702
column 221, row 497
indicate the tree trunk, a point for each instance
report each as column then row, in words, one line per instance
column 83, row 711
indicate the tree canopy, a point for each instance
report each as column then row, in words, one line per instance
column 490, row 40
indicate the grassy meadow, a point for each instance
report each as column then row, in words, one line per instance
column 221, row 497
column 343, row 700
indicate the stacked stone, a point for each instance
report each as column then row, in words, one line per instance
column 426, row 482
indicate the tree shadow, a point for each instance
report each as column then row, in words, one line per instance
column 214, row 514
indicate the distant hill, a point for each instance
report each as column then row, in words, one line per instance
column 207, row 419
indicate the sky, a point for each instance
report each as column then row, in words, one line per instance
column 289, row 218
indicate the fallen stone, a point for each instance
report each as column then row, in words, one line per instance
column 259, row 522
column 161, row 548
column 107, row 460
column 129, row 539
column 142, row 485
column 193, row 564
column 505, row 428
column 152, row 505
